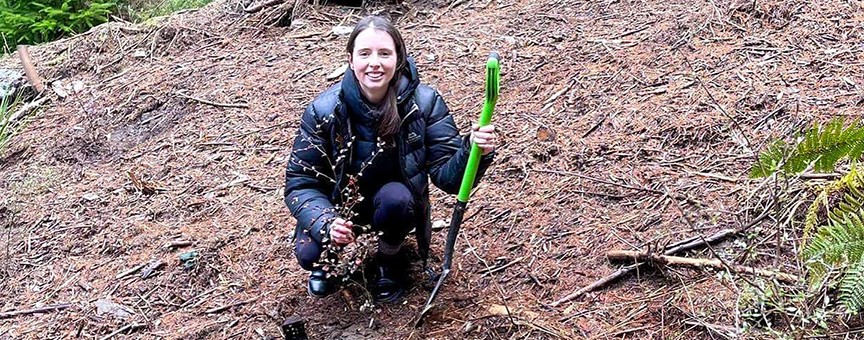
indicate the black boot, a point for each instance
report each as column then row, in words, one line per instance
column 319, row 285
column 389, row 284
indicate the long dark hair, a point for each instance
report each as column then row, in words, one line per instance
column 389, row 110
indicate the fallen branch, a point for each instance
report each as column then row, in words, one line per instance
column 44, row 309
column 618, row 255
column 177, row 244
column 698, row 242
column 24, row 54
column 203, row 101
column 626, row 270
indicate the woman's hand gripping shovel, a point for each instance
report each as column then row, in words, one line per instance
column 492, row 87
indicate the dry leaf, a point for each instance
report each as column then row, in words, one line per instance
column 496, row 309
column 545, row 134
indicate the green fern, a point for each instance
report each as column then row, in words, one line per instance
column 832, row 246
column 853, row 200
column 852, row 288
column 821, row 146
column 852, row 182
column 839, row 245
column 835, row 245
column 770, row 160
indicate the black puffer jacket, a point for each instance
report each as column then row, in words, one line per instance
column 428, row 144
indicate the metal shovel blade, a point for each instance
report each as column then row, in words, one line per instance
column 455, row 222
column 429, row 304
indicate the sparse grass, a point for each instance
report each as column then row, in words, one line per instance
column 6, row 130
column 36, row 182
column 771, row 310
column 143, row 10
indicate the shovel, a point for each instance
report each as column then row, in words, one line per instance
column 492, row 87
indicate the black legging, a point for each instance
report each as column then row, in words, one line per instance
column 392, row 213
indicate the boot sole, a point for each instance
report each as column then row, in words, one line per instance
column 393, row 298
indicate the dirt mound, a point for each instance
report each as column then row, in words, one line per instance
column 626, row 125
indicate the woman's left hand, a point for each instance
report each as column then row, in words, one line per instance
column 485, row 137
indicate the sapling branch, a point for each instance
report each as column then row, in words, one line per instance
column 341, row 261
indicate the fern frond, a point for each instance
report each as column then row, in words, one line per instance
column 771, row 159
column 811, row 220
column 853, row 198
column 822, row 146
column 852, row 288
column 851, row 184
column 839, row 243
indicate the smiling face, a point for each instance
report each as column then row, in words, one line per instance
column 373, row 61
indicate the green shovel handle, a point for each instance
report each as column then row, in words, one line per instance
column 493, row 70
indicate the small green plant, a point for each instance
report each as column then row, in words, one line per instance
column 777, row 310
column 833, row 234
column 5, row 118
column 839, row 243
column 822, row 147
column 37, row 21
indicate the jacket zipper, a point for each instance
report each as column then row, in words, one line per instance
column 414, row 108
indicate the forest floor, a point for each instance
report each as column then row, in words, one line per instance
column 625, row 125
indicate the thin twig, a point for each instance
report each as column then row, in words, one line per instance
column 8, row 226
column 497, row 285
column 222, row 308
column 24, row 110
column 489, row 270
column 126, row 328
column 653, row 191
column 597, row 125
column 44, row 309
column 203, row 101
column 258, row 7
column 131, row 271
column 719, row 107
